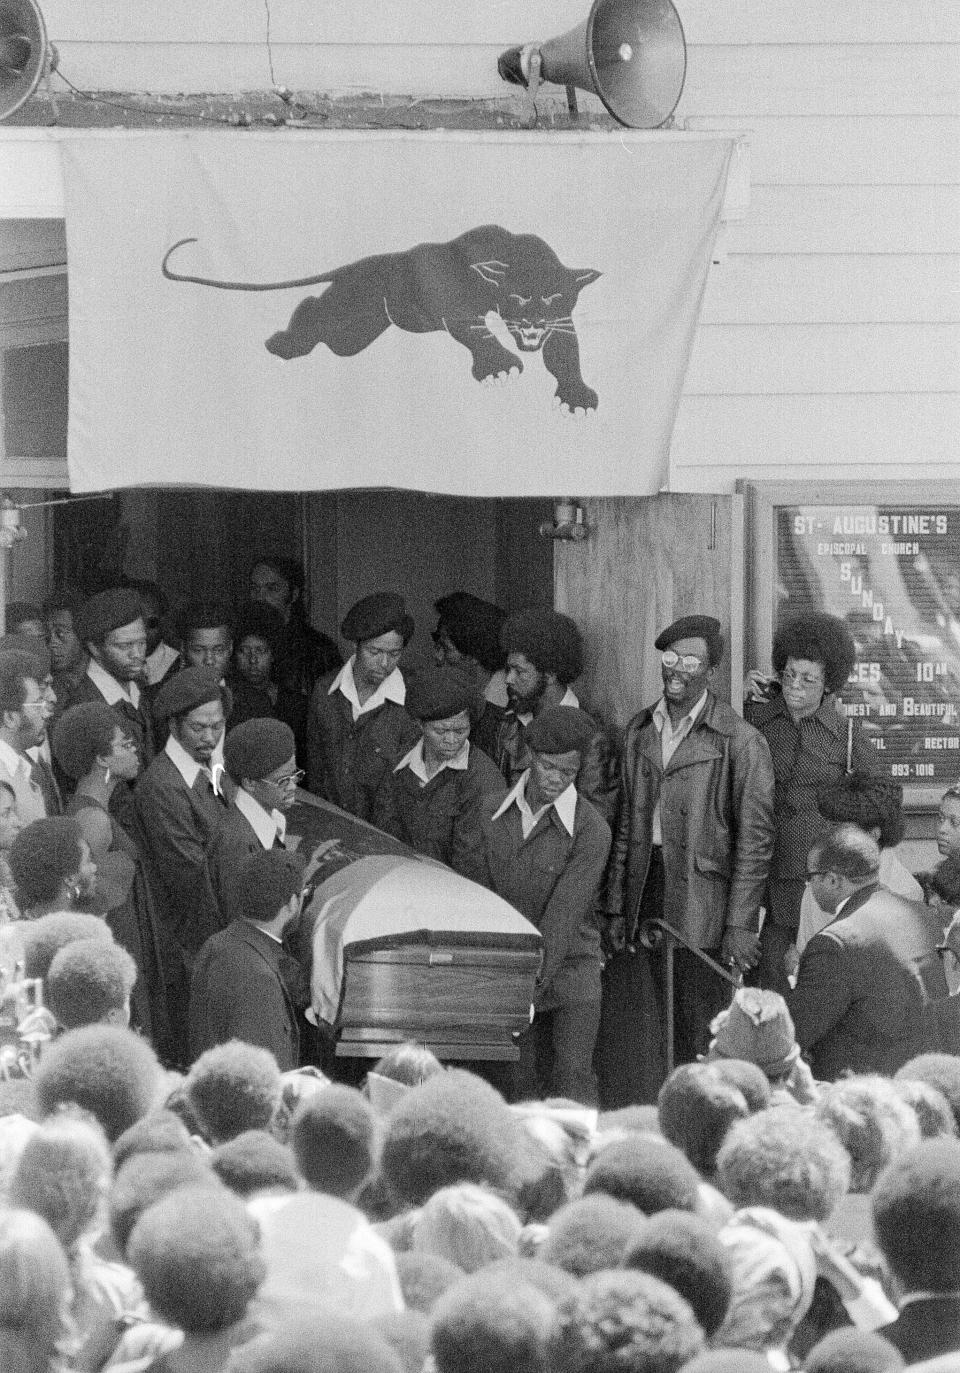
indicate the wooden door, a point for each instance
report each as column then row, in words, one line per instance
column 645, row 562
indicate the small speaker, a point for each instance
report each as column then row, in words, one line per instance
column 631, row 53
column 25, row 53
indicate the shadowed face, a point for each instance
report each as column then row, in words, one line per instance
column 525, row 683
column 209, row 647
column 948, row 827
column 123, row 760
column 444, row 739
column 124, row 652
column 200, row 730
column 803, row 684
column 377, row 658
column 66, row 650
column 268, row 587
column 551, row 774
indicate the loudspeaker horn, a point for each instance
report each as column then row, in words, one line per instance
column 631, row 53
column 25, row 53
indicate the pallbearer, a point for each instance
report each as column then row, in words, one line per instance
column 357, row 729
column 432, row 799
column 546, row 849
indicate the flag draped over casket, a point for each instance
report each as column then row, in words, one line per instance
column 391, row 899
column 484, row 314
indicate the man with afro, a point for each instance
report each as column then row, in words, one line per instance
column 90, row 982
column 544, row 655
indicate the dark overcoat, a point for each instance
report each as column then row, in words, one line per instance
column 238, row 991
column 716, row 804
column 178, row 824
column 808, row 755
column 552, row 878
column 348, row 759
column 441, row 819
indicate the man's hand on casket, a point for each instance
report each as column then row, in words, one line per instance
column 325, row 852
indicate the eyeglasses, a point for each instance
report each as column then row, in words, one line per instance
column 292, row 779
column 688, row 663
column 802, row 679
column 817, row 872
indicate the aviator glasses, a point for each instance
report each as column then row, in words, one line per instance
column 689, row 662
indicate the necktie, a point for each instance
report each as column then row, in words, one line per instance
column 41, row 775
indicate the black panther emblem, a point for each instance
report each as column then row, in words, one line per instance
column 443, row 286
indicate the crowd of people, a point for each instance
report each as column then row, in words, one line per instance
column 716, row 890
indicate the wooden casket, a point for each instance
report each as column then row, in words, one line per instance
column 402, row 948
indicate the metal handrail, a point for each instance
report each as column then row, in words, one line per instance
column 655, row 934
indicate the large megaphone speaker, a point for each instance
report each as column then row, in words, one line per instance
column 25, row 53
column 631, row 53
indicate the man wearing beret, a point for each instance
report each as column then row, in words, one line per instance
column 467, row 636
column 546, row 848
column 544, row 651
column 111, row 628
column 432, row 799
column 692, row 846
column 358, row 729
column 181, row 803
column 259, row 756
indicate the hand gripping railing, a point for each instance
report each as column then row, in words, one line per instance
column 657, row 934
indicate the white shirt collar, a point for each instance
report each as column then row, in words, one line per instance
column 393, row 689
column 188, row 767
column 266, row 825
column 159, row 662
column 12, row 760
column 661, row 715
column 414, row 760
column 569, row 698
column 110, row 689
column 565, row 805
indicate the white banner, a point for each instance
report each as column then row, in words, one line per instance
column 474, row 314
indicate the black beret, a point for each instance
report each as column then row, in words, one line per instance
column 473, row 626
column 186, row 690
column 107, row 611
column 439, row 693
column 258, row 747
column 560, row 729
column 378, row 614
column 32, row 646
column 703, row 627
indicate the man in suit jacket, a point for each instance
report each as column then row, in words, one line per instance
column 113, row 632
column 259, row 756
column 24, row 711
column 865, row 980
column 916, row 1218
column 546, row 849
column 181, row 804
column 240, row 985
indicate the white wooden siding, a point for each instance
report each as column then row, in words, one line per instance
column 828, row 341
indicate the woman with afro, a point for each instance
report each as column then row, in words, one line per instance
column 813, row 746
